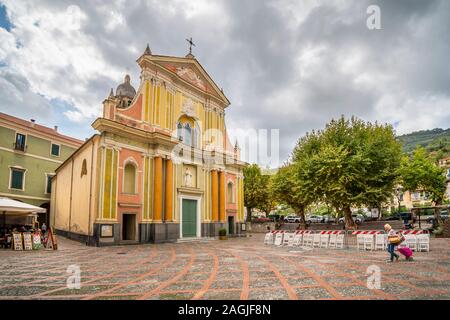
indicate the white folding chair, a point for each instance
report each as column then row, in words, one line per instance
column 287, row 237
column 423, row 242
column 278, row 239
column 380, row 242
column 316, row 240
column 307, row 240
column 340, row 241
column 297, row 240
column 290, row 240
column 411, row 241
column 368, row 242
column 360, row 241
column 332, row 241
column 324, row 240
column 268, row 239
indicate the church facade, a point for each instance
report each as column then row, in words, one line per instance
column 161, row 167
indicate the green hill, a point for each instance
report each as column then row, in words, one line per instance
column 436, row 142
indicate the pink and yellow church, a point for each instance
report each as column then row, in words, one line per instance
column 161, row 167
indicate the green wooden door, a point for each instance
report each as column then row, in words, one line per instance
column 189, row 218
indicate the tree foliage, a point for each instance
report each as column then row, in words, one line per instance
column 255, row 189
column 288, row 188
column 420, row 172
column 349, row 163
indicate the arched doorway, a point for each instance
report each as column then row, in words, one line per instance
column 44, row 217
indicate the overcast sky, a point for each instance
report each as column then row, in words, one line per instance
column 288, row 65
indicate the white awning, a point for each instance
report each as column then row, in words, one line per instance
column 12, row 207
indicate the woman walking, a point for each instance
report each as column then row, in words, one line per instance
column 394, row 240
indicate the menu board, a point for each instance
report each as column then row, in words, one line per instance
column 17, row 241
column 27, row 241
column 37, row 241
column 51, row 241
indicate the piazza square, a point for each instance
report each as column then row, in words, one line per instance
column 236, row 269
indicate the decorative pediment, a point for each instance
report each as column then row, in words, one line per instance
column 188, row 70
column 190, row 76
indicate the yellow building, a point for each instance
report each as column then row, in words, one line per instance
column 161, row 168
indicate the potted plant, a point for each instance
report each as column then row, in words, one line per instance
column 223, row 234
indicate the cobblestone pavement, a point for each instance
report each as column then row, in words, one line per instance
column 241, row 268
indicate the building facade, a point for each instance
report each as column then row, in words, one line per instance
column 29, row 155
column 161, row 167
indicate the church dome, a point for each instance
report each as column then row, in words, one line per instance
column 126, row 89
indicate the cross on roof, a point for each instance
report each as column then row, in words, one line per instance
column 191, row 43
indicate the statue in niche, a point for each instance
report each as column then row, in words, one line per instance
column 188, row 178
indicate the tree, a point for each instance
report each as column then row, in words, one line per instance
column 254, row 188
column 288, row 189
column 267, row 198
column 421, row 173
column 350, row 163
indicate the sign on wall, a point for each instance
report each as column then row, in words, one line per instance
column 106, row 231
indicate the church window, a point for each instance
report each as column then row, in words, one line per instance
column 187, row 134
column 180, row 131
column 129, row 179
column 84, row 168
column 230, row 193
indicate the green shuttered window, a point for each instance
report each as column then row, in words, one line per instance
column 17, row 176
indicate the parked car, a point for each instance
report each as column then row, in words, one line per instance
column 292, row 219
column 402, row 216
column 275, row 217
column 327, row 218
column 444, row 217
column 314, row 219
column 358, row 218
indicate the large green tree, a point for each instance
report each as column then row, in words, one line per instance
column 254, row 189
column 420, row 172
column 289, row 189
column 268, row 200
column 350, row 163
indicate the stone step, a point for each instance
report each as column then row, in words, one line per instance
column 184, row 240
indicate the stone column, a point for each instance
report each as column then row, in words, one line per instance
column 215, row 196
column 168, row 213
column 222, row 215
column 157, row 216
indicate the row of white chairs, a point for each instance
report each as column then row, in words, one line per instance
column 316, row 240
column 420, row 242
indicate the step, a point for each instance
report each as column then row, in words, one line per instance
column 183, row 240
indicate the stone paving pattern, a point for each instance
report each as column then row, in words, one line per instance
column 239, row 268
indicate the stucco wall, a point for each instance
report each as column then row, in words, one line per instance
column 73, row 208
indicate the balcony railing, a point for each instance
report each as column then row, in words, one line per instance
column 20, row 147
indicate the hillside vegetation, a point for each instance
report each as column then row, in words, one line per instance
column 436, row 142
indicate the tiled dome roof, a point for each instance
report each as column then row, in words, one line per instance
column 126, row 89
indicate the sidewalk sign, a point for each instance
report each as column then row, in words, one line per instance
column 27, row 241
column 17, row 241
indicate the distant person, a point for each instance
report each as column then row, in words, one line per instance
column 394, row 240
column 44, row 228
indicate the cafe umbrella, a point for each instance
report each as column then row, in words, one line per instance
column 14, row 208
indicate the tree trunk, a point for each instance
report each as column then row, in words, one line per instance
column 249, row 214
column 349, row 223
column 301, row 213
column 437, row 215
column 380, row 213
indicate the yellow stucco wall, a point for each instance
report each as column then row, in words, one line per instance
column 72, row 205
column 163, row 107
